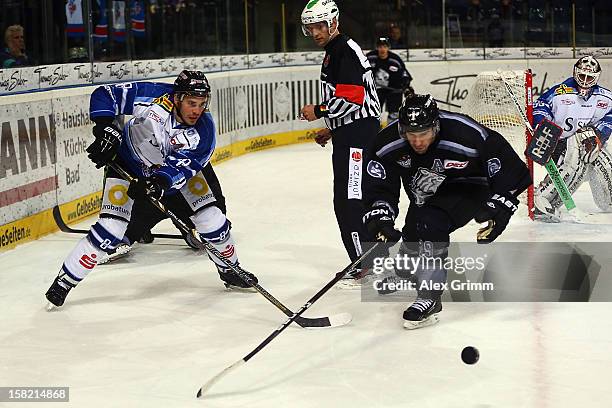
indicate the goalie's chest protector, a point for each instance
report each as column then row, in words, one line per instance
column 571, row 112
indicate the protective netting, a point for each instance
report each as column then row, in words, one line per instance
column 490, row 103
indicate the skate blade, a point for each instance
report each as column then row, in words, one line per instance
column 412, row 325
column 51, row 307
column 348, row 284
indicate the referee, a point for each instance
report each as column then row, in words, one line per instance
column 350, row 108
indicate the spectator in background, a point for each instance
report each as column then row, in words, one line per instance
column 395, row 38
column 14, row 53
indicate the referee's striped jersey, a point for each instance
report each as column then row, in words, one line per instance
column 348, row 92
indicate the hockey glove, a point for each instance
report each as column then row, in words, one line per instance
column 105, row 146
column 408, row 92
column 379, row 222
column 496, row 213
column 153, row 187
column 589, row 142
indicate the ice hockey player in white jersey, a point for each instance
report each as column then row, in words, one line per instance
column 583, row 109
column 166, row 144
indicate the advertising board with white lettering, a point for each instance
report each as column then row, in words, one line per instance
column 76, row 175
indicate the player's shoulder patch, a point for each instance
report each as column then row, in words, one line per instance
column 165, row 102
column 600, row 90
column 564, row 89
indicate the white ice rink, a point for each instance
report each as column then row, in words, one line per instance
column 149, row 330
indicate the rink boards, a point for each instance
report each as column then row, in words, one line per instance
column 43, row 136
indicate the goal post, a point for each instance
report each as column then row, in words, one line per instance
column 488, row 102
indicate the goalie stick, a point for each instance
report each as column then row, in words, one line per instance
column 207, row 386
column 61, row 224
column 549, row 164
column 336, row 320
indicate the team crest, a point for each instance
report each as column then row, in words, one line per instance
column 405, row 161
column 564, row 89
column 493, row 166
column 376, row 170
column 424, row 184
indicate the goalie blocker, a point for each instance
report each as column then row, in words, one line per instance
column 543, row 143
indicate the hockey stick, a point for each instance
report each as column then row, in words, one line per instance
column 340, row 319
column 57, row 216
column 550, row 165
column 207, row 386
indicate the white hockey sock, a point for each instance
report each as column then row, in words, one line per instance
column 215, row 229
column 81, row 260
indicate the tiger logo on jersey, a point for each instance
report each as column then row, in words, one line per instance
column 165, row 102
column 424, row 184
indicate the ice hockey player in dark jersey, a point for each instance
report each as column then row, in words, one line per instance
column 391, row 77
column 453, row 170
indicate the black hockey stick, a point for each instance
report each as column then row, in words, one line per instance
column 317, row 322
column 206, row 387
column 57, row 216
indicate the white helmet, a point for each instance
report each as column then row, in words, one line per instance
column 587, row 71
column 317, row 11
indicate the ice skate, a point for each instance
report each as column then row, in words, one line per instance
column 56, row 295
column 422, row 313
column 121, row 251
column 234, row 282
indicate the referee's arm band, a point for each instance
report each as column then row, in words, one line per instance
column 321, row 111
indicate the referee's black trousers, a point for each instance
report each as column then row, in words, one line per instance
column 349, row 145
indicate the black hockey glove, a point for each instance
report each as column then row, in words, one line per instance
column 496, row 213
column 589, row 140
column 105, row 146
column 153, row 187
column 379, row 222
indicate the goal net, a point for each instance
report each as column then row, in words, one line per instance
column 490, row 103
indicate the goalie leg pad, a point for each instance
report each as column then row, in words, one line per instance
column 600, row 180
column 571, row 168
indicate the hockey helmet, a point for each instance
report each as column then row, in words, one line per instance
column 192, row 83
column 587, row 71
column 383, row 41
column 317, row 11
column 418, row 113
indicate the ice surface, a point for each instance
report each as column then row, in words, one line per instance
column 147, row 331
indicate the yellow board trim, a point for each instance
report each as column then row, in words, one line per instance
column 35, row 226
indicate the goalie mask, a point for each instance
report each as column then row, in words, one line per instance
column 418, row 113
column 586, row 74
column 317, row 11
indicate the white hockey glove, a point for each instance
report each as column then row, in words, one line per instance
column 589, row 143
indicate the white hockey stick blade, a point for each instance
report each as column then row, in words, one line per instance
column 337, row 320
column 204, row 389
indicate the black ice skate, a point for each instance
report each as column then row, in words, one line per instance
column 422, row 313
column 56, row 295
column 234, row 282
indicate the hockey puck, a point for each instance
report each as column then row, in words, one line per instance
column 470, row 355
